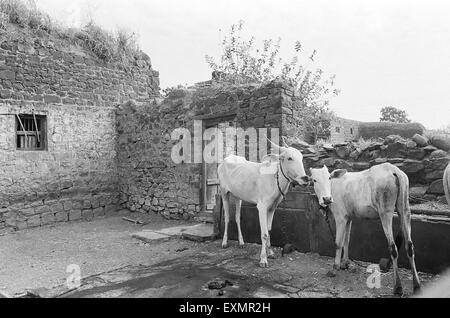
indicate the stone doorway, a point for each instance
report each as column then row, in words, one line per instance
column 210, row 176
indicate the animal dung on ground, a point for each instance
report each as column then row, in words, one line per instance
column 288, row 249
column 219, row 284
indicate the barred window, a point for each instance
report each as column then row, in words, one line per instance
column 31, row 132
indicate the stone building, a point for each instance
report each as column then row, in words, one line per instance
column 149, row 180
column 58, row 104
column 343, row 130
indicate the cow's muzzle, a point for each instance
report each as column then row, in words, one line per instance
column 327, row 201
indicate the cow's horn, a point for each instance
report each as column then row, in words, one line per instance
column 276, row 147
column 284, row 138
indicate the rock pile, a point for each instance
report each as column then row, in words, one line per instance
column 422, row 159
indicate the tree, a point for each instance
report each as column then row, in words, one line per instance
column 243, row 62
column 394, row 115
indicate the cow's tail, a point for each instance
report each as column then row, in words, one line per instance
column 447, row 184
column 402, row 205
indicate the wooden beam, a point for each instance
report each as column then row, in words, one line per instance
column 21, row 125
column 36, row 126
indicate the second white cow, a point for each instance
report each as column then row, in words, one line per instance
column 375, row 193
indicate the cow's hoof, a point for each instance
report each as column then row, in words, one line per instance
column 264, row 264
column 242, row 246
column 398, row 291
column 417, row 289
column 224, row 246
column 332, row 273
column 271, row 255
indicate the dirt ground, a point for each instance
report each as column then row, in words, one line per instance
column 115, row 265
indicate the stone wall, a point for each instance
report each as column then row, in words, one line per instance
column 76, row 176
column 149, row 181
column 423, row 160
column 344, row 130
column 385, row 129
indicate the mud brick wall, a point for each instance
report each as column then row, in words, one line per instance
column 149, row 181
column 76, row 177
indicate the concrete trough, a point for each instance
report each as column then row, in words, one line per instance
column 299, row 222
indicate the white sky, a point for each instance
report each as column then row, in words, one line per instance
column 384, row 53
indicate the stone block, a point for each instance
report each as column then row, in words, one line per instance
column 87, row 215
column 441, row 142
column 436, row 188
column 62, row 217
column 420, row 140
column 48, row 218
column 99, row 212
column 52, row 99
column 34, row 221
column 75, row 215
column 67, row 205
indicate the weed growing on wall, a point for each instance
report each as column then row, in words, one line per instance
column 121, row 46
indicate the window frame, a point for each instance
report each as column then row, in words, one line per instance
column 42, row 131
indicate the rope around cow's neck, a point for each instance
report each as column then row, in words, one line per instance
column 278, row 180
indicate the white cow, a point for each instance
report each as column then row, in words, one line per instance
column 371, row 194
column 264, row 184
column 447, row 184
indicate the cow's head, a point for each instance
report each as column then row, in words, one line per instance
column 291, row 160
column 322, row 183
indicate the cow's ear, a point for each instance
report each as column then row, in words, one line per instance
column 336, row 174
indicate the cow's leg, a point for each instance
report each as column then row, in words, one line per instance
column 226, row 208
column 264, row 234
column 386, row 221
column 406, row 229
column 270, row 215
column 238, row 222
column 345, row 263
column 341, row 225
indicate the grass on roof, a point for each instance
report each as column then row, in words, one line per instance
column 121, row 46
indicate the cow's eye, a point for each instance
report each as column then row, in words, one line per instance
column 330, row 178
column 315, row 181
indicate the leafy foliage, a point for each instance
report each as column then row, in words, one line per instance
column 394, row 115
column 243, row 62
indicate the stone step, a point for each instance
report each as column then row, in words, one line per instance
column 198, row 233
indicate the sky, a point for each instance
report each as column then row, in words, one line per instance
column 384, row 53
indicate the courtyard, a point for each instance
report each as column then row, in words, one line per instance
column 114, row 264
